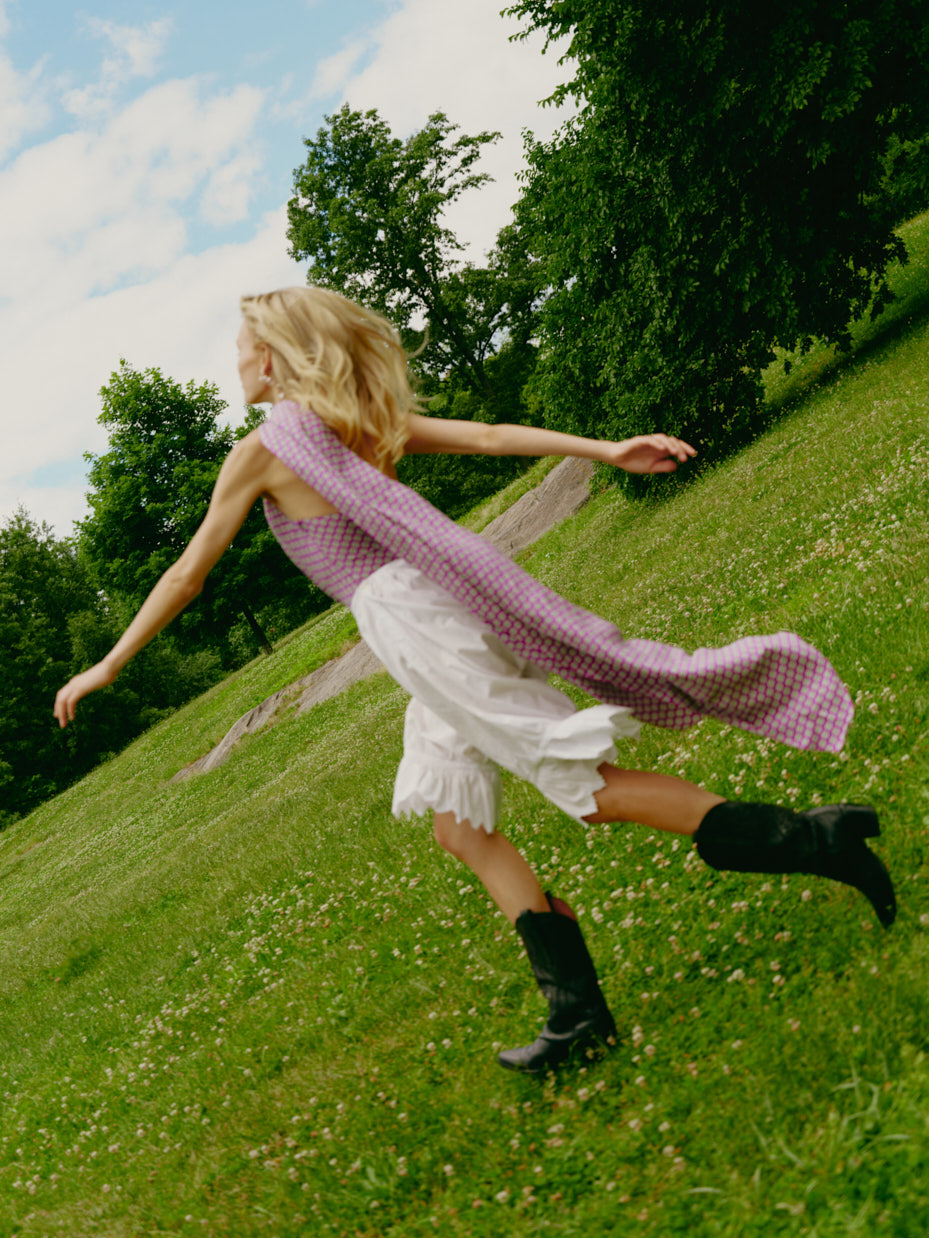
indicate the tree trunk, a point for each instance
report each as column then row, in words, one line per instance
column 437, row 311
column 249, row 616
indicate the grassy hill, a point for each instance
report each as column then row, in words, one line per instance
column 252, row 1003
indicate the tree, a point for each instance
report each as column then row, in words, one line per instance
column 53, row 623
column 717, row 195
column 42, row 584
column 368, row 213
column 149, row 493
column 906, row 186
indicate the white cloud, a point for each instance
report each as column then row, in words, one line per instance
column 334, row 71
column 23, row 106
column 88, row 210
column 445, row 55
column 228, row 195
column 184, row 321
column 95, row 266
column 136, row 48
column 134, row 52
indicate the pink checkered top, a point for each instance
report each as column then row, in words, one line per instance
column 335, row 553
column 776, row 685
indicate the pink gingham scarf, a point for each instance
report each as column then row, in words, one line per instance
column 777, row 685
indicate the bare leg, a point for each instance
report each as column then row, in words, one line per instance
column 655, row 800
column 579, row 1017
column 502, row 870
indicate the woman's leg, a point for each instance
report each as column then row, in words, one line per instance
column 828, row 841
column 502, row 870
column 579, row 1019
column 656, row 800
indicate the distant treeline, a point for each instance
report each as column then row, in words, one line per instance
column 728, row 186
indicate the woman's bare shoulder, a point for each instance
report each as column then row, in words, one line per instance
column 249, row 453
column 251, row 443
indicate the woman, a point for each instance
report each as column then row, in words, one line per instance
column 472, row 638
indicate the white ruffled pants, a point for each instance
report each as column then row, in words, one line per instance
column 476, row 705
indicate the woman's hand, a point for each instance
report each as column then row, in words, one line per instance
column 99, row 676
column 649, row 453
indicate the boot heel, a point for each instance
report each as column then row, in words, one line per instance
column 850, row 821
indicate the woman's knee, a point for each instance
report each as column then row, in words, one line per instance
column 458, row 838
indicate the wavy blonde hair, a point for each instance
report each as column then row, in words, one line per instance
column 339, row 359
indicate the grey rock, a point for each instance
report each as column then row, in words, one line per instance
column 559, row 495
column 336, row 675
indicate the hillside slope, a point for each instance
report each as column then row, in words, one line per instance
column 252, row 1003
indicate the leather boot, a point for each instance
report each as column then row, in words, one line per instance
column 578, row 1015
column 826, row 841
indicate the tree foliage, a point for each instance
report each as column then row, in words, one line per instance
column 54, row 623
column 906, row 186
column 42, row 585
column 717, row 195
column 368, row 212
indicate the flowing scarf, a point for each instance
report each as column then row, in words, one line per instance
column 777, row 685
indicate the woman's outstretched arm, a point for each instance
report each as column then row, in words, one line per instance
column 646, row 453
column 240, row 481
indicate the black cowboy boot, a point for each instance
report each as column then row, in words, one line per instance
column 578, row 1015
column 826, row 841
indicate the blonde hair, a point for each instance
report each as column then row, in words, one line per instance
column 339, row 359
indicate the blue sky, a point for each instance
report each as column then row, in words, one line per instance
column 222, row 44
column 146, row 154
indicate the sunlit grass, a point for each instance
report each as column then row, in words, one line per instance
column 252, row 1003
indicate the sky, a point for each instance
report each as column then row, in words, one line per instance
column 146, row 157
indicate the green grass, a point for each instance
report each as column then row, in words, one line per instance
column 252, row 1003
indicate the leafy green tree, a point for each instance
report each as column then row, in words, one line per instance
column 368, row 214
column 149, row 493
column 42, row 584
column 54, row 623
column 906, row 186
column 718, row 194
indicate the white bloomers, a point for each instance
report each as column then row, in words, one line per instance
column 477, row 705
